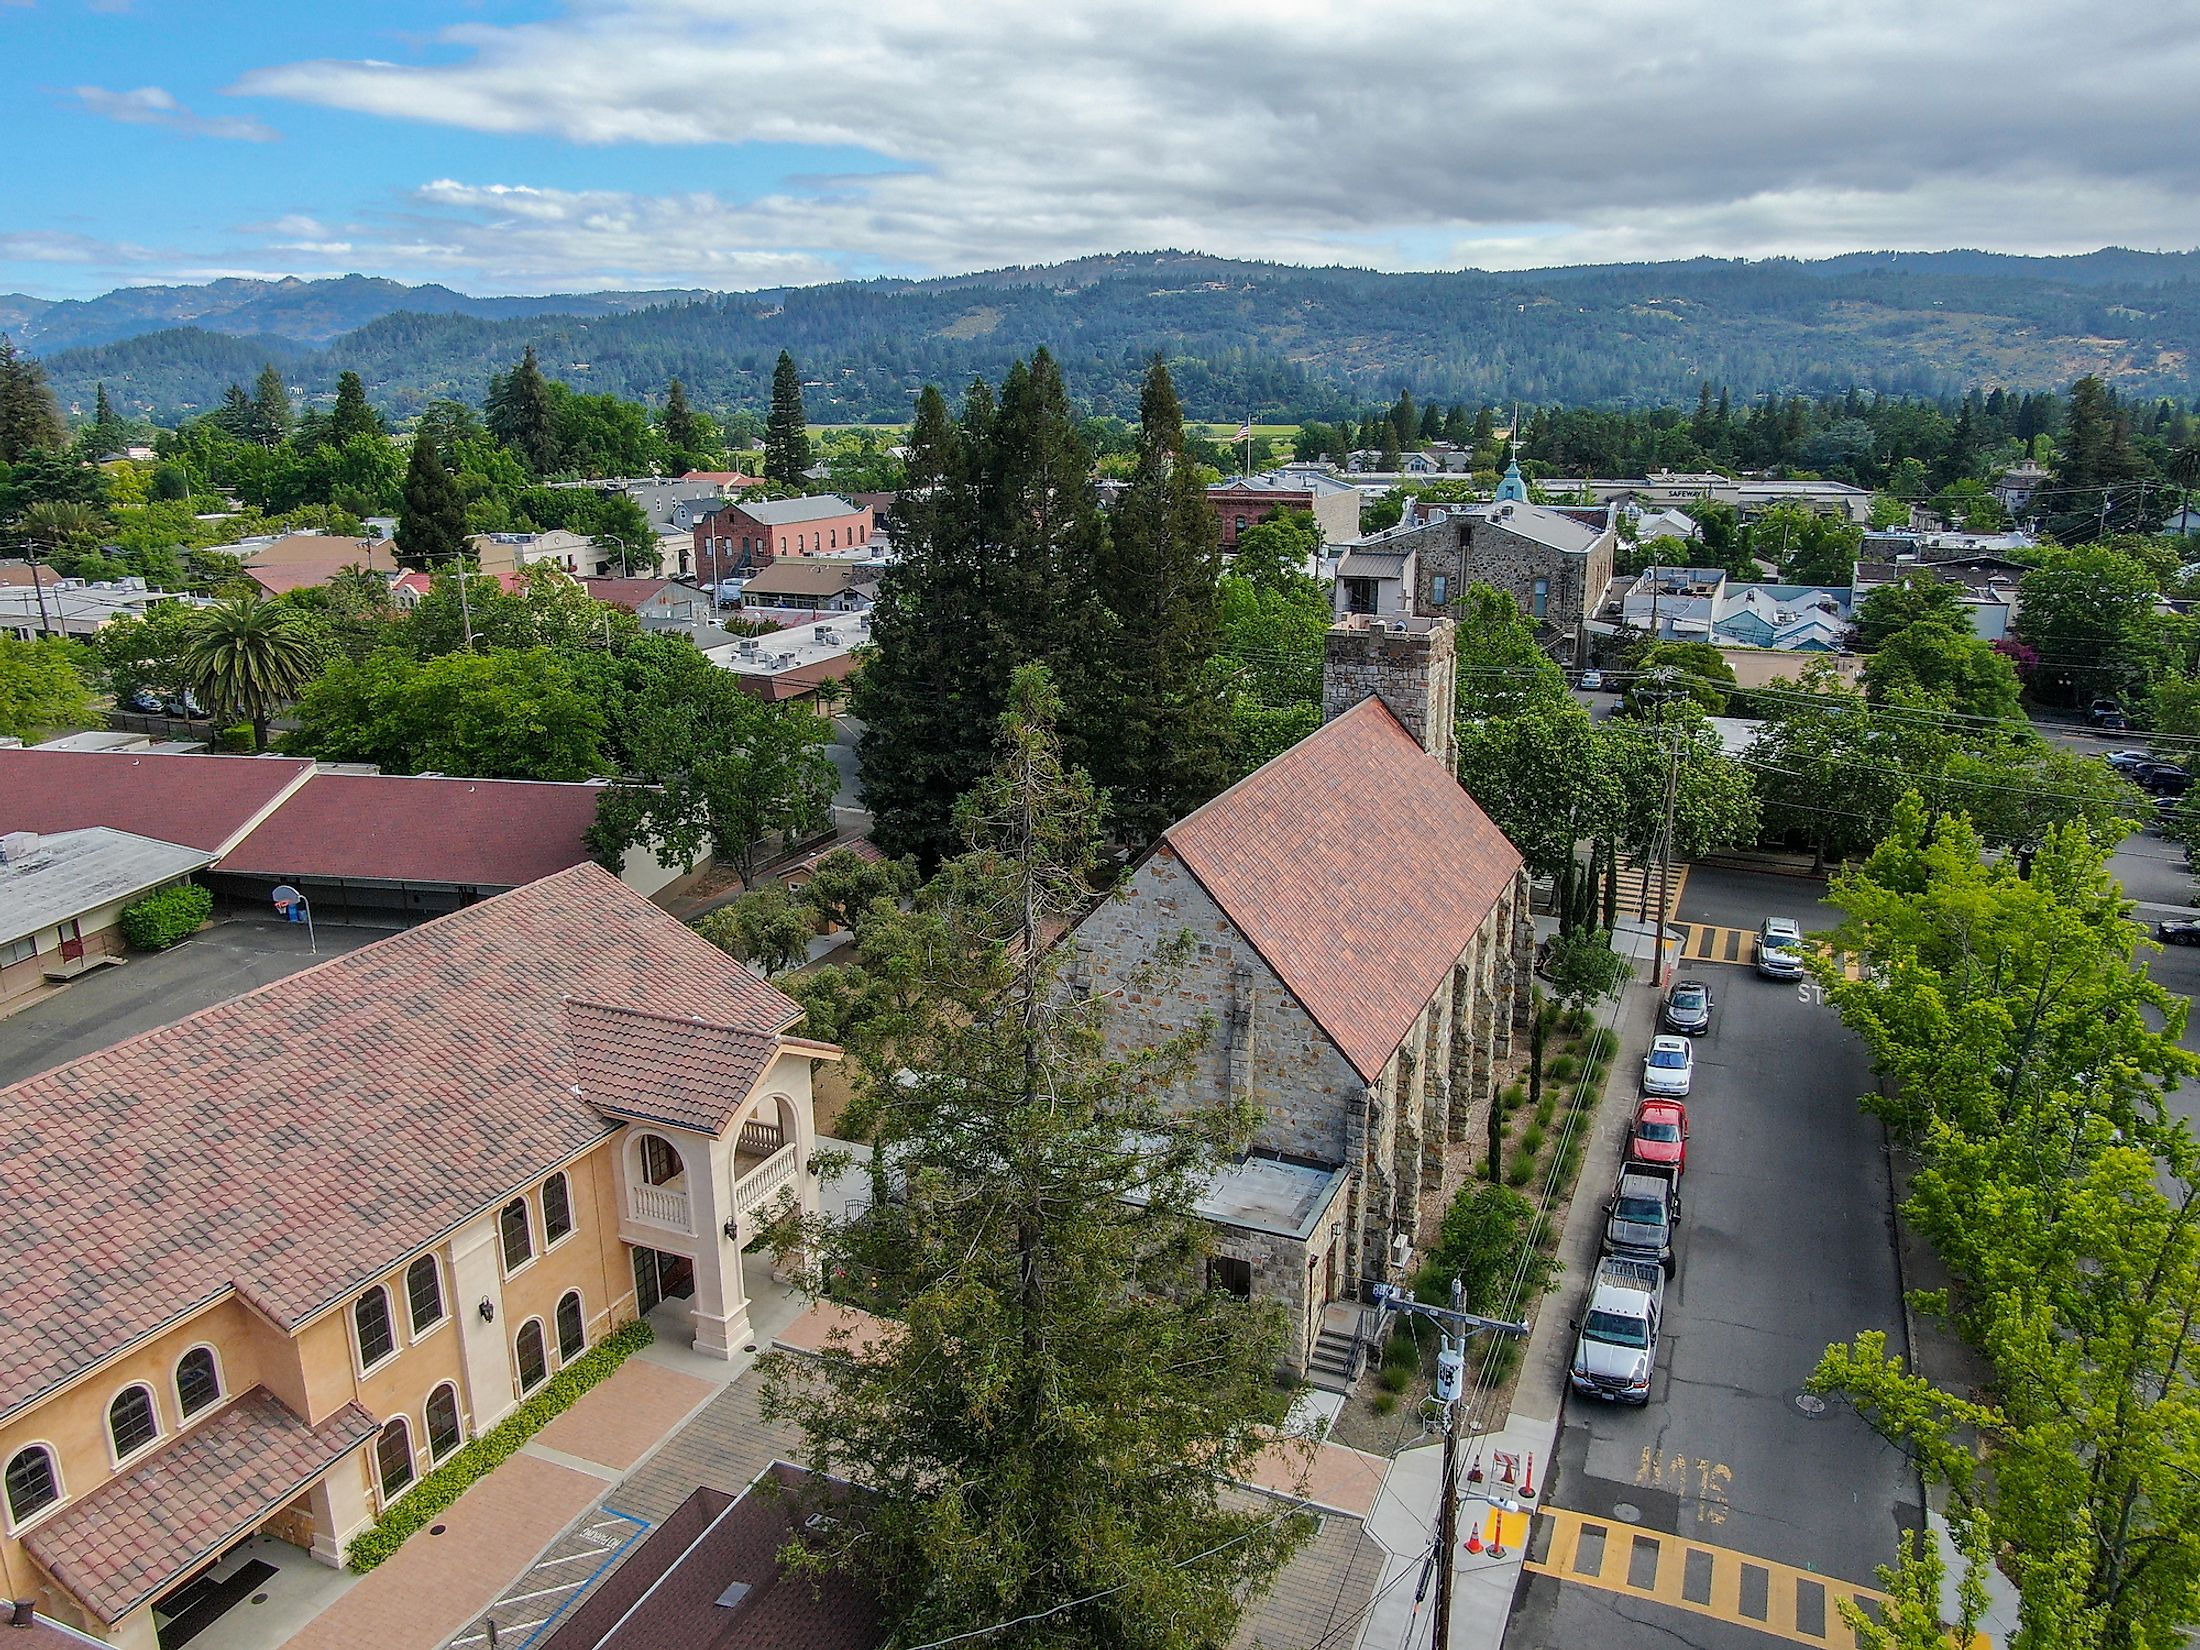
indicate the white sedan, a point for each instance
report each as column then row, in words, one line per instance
column 1668, row 1066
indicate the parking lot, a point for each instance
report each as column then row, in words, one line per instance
column 1785, row 1246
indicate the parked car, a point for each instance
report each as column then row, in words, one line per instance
column 2180, row 932
column 1644, row 1210
column 2125, row 761
column 1659, row 1134
column 1669, row 1065
column 1592, row 681
column 1687, row 1008
column 2100, row 713
column 2162, row 778
column 1616, row 1349
column 146, row 701
column 1780, row 949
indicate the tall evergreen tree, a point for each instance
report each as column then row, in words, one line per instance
column 270, row 408
column 1432, row 422
column 1152, row 720
column 787, row 432
column 351, row 415
column 1405, row 422
column 522, row 413
column 682, row 430
column 431, row 523
column 998, row 532
column 30, row 418
column 1054, row 1425
column 234, row 415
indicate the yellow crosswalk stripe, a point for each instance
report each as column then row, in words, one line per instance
column 1719, row 1582
column 1636, row 887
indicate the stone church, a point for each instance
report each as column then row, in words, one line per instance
column 1362, row 950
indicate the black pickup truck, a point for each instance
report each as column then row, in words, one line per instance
column 1644, row 1210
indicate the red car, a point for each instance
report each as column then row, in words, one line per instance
column 1660, row 1134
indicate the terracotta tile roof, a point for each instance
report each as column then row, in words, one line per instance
column 1358, row 868
column 199, row 801
column 301, row 1139
column 136, row 1535
column 629, row 594
column 478, row 833
column 665, row 1068
column 671, row 1593
column 301, row 561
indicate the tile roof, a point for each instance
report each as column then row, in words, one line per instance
column 1358, row 868
column 136, row 1535
column 672, row 1592
column 687, row 1072
column 631, row 593
column 199, row 801
column 808, row 576
column 299, row 1140
column 478, row 833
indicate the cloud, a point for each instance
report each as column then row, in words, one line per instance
column 154, row 106
column 49, row 246
column 1017, row 131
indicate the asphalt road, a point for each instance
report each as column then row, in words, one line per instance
column 110, row 1004
column 1785, row 1247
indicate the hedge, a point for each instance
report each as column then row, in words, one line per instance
column 434, row 1493
column 159, row 920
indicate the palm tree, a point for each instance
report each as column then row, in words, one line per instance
column 59, row 524
column 247, row 656
column 830, row 692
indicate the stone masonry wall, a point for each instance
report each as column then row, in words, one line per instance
column 1411, row 665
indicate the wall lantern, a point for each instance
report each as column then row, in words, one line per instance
column 732, row 1230
column 488, row 1311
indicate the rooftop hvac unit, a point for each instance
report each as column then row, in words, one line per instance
column 18, row 846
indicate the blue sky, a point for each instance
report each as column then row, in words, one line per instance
column 547, row 145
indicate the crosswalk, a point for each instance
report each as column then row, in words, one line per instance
column 1719, row 1582
column 1636, row 885
column 1703, row 942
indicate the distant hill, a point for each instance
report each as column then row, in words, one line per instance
column 308, row 312
column 1273, row 339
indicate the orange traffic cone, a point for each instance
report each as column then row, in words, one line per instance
column 1527, row 1484
column 1508, row 1478
column 1474, row 1541
column 1474, row 1473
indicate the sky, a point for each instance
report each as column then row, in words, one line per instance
column 527, row 146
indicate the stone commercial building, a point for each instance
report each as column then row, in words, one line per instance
column 1556, row 561
column 1361, row 943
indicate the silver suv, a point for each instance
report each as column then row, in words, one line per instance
column 1780, row 949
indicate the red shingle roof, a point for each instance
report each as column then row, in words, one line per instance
column 661, row 1068
column 134, row 1536
column 297, row 1141
column 1358, row 868
column 628, row 594
column 478, row 833
column 199, row 801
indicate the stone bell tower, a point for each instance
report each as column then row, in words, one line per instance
column 1412, row 665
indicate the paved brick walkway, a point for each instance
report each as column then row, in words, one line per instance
column 435, row 1585
column 622, row 1420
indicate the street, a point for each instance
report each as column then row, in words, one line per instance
column 1785, row 1246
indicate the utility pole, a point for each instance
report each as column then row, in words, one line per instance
column 465, row 607
column 1665, row 852
column 38, row 585
column 1451, row 1368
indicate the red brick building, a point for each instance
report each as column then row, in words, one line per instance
column 739, row 537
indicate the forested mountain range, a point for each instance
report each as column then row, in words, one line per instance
column 1279, row 341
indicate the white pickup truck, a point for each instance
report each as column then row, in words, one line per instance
column 1617, row 1348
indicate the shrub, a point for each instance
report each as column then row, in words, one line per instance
column 434, row 1493
column 1384, row 1403
column 1515, row 1096
column 1394, row 1380
column 1531, row 1139
column 1602, row 1043
column 1563, row 1068
column 161, row 919
column 1522, row 1170
column 1401, row 1352
column 1546, row 1111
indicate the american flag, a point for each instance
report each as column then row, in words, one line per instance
column 1245, row 431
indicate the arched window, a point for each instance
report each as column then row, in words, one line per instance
column 370, row 1314
column 534, row 1360
column 557, row 1209
column 198, row 1381
column 443, row 1434
column 572, row 1327
column 660, row 1163
column 393, row 1456
column 131, row 1422
column 424, row 1294
column 33, row 1484
column 519, row 1237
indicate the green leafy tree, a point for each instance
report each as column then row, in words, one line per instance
column 622, row 528
column 1274, row 551
column 1054, row 1420
column 708, row 767
column 522, row 413
column 501, row 714
column 1155, row 719
column 766, row 927
column 1488, row 1233
column 1538, row 773
column 147, row 652
column 1699, row 669
column 30, row 417
column 431, row 523
column 1502, row 668
column 249, row 657
column 1945, row 663
column 787, row 433
column 1916, row 595
column 2089, row 614
column 42, row 688
column 845, row 885
column 1806, row 547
